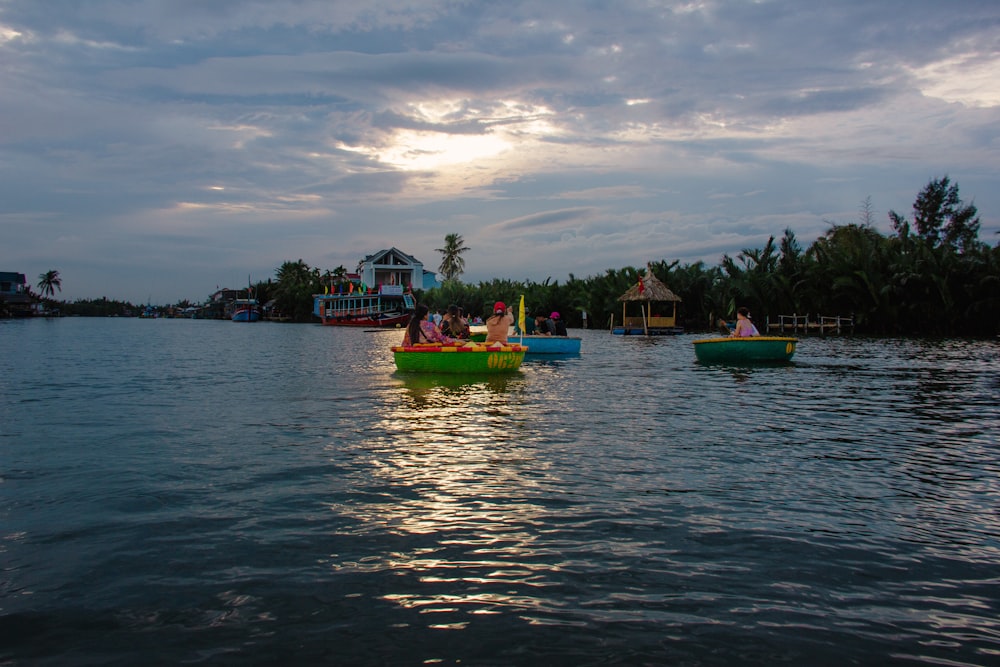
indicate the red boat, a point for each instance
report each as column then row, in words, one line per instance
column 387, row 307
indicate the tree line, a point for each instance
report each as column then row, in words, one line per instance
column 931, row 275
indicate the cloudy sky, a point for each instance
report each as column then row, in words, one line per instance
column 157, row 149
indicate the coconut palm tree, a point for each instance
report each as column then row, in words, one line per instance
column 49, row 282
column 452, row 263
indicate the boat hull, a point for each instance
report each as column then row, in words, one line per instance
column 650, row 331
column 369, row 321
column 465, row 359
column 246, row 316
column 542, row 344
column 754, row 349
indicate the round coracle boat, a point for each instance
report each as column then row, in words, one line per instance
column 538, row 344
column 466, row 358
column 756, row 349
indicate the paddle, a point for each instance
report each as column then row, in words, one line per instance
column 723, row 327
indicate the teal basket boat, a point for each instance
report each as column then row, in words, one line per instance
column 538, row 344
column 753, row 349
column 468, row 359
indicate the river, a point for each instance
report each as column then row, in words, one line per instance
column 205, row 492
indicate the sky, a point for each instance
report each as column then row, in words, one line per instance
column 155, row 150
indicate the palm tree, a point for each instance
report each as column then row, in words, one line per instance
column 297, row 282
column 452, row 263
column 49, row 282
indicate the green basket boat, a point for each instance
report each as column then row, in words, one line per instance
column 435, row 358
column 754, row 349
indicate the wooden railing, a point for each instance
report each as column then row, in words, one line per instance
column 801, row 323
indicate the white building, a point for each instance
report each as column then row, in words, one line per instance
column 395, row 267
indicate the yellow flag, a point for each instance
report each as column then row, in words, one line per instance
column 520, row 316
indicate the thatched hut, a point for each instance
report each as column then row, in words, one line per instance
column 654, row 299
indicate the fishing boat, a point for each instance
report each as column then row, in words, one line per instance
column 753, row 349
column 467, row 358
column 245, row 310
column 388, row 306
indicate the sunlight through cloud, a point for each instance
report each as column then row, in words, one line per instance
column 504, row 125
column 967, row 79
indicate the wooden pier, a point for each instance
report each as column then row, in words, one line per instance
column 801, row 323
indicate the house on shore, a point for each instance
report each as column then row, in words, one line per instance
column 15, row 298
column 395, row 267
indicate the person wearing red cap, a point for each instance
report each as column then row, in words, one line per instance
column 499, row 323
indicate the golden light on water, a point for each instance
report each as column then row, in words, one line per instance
column 454, row 470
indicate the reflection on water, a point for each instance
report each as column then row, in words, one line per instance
column 461, row 384
column 450, row 469
column 625, row 506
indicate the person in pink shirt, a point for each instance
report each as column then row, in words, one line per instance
column 744, row 325
column 422, row 330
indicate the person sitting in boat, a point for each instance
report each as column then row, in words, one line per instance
column 560, row 326
column 422, row 330
column 528, row 328
column 498, row 324
column 454, row 324
column 544, row 326
column 744, row 325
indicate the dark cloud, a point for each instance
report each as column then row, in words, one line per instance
column 547, row 220
column 184, row 139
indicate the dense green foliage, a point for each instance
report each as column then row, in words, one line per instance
column 933, row 277
column 930, row 276
column 98, row 308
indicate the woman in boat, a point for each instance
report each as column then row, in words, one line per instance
column 422, row 330
column 544, row 326
column 498, row 324
column 744, row 325
column 560, row 326
column 454, row 324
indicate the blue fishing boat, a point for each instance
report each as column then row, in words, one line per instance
column 246, row 310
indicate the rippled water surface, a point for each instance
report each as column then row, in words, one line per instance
column 200, row 492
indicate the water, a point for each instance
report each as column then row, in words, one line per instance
column 200, row 492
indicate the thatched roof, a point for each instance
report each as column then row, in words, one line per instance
column 653, row 290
